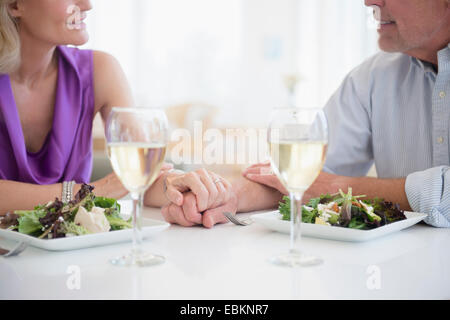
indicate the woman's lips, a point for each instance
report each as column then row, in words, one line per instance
column 76, row 20
column 80, row 25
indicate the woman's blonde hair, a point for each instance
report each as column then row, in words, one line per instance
column 9, row 39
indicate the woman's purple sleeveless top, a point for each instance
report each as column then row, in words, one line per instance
column 67, row 152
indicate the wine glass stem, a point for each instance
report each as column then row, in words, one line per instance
column 137, row 226
column 296, row 217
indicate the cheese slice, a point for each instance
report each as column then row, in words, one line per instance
column 94, row 221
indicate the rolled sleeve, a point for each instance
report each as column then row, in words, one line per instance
column 429, row 192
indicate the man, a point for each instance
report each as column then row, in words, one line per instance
column 393, row 110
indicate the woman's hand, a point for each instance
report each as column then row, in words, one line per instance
column 109, row 186
column 188, row 214
column 210, row 189
column 262, row 173
column 198, row 198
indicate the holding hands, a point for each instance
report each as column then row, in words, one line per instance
column 201, row 197
column 198, row 198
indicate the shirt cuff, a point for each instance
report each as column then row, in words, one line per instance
column 429, row 192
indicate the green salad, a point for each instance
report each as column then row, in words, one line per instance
column 84, row 215
column 345, row 210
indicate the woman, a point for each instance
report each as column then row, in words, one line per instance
column 49, row 96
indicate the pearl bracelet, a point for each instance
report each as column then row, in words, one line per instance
column 67, row 191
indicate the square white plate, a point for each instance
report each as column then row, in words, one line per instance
column 273, row 221
column 149, row 227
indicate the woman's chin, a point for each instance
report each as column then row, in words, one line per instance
column 77, row 40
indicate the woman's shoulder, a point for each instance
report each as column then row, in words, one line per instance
column 109, row 79
column 97, row 62
column 105, row 62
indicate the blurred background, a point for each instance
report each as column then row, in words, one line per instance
column 228, row 63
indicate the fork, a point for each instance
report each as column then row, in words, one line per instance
column 240, row 222
column 15, row 251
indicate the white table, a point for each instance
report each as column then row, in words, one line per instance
column 230, row 262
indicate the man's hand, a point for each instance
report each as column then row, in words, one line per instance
column 327, row 183
column 262, row 173
column 188, row 214
column 198, row 198
column 209, row 189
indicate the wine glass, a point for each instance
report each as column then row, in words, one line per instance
column 297, row 140
column 136, row 141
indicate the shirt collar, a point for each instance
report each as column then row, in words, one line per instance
column 427, row 67
column 444, row 57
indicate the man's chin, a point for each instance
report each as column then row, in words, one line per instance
column 387, row 45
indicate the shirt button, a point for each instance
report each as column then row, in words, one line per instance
column 442, row 94
column 440, row 140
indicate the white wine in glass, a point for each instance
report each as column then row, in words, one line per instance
column 136, row 141
column 137, row 164
column 297, row 140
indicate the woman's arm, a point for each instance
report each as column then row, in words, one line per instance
column 25, row 196
column 111, row 89
column 110, row 85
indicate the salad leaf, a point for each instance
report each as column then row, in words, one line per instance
column 313, row 202
column 323, row 199
column 29, row 221
column 52, row 212
column 83, row 193
column 388, row 212
column 357, row 223
column 73, row 228
column 308, row 216
column 9, row 220
column 353, row 213
column 118, row 223
column 112, row 209
column 346, row 210
column 103, row 202
column 285, row 208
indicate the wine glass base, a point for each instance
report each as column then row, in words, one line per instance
column 294, row 260
column 141, row 259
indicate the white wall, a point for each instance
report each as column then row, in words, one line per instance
column 232, row 53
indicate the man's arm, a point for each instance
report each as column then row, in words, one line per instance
column 253, row 196
column 392, row 190
column 389, row 189
column 424, row 191
column 429, row 192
